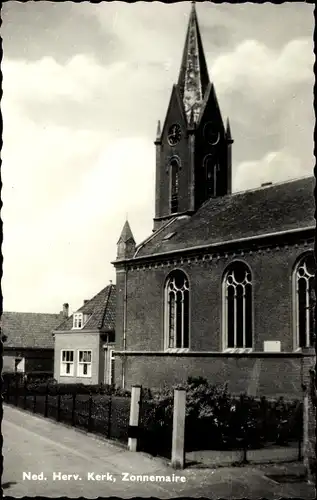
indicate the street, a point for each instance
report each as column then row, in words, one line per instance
column 48, row 459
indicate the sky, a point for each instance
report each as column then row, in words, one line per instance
column 83, row 87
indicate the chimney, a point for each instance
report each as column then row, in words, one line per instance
column 266, row 184
column 65, row 310
column 85, row 301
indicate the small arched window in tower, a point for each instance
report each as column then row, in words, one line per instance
column 211, row 176
column 238, row 307
column 174, row 185
column 177, row 311
column 305, row 301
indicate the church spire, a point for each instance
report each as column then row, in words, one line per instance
column 193, row 77
column 126, row 244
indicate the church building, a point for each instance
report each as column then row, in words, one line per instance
column 223, row 288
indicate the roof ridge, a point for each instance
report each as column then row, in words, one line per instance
column 273, row 184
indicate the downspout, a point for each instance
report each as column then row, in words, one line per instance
column 125, row 300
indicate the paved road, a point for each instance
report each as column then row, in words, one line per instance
column 34, row 445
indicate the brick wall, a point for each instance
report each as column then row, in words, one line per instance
column 272, row 299
column 258, row 375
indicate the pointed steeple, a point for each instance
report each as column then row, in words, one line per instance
column 193, row 77
column 228, row 132
column 126, row 243
column 158, row 131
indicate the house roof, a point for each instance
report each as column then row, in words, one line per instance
column 29, row 330
column 100, row 311
column 266, row 210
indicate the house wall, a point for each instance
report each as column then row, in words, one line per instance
column 258, row 375
column 79, row 341
column 272, row 301
column 36, row 360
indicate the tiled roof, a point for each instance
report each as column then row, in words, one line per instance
column 101, row 310
column 29, row 330
column 275, row 208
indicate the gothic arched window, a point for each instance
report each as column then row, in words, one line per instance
column 305, row 300
column 174, row 185
column 238, row 307
column 177, row 310
column 211, row 173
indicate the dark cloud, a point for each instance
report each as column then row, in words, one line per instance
column 61, row 30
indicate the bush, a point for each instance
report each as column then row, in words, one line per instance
column 53, row 388
column 216, row 419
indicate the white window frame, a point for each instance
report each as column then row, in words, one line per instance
column 225, row 348
column 81, row 364
column 167, row 347
column 78, row 321
column 296, row 339
column 64, row 363
column 111, row 366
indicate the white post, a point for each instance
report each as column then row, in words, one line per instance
column 134, row 417
column 178, row 441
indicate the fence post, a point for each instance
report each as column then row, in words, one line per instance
column 46, row 402
column 90, row 413
column 309, row 410
column 58, row 407
column 8, row 392
column 109, row 415
column 73, row 408
column 134, row 418
column 24, row 395
column 178, row 440
column 16, row 390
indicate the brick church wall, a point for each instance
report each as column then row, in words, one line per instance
column 272, row 375
column 272, row 301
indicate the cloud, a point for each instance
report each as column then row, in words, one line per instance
column 275, row 166
column 78, row 154
column 262, row 72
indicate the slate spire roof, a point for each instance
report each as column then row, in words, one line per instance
column 126, row 233
column 193, row 77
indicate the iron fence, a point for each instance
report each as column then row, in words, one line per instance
column 107, row 415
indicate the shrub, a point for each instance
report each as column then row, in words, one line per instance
column 217, row 419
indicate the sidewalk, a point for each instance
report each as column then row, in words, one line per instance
column 60, row 461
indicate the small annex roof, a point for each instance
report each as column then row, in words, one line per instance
column 100, row 311
column 265, row 210
column 29, row 330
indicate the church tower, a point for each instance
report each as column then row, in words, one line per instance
column 193, row 147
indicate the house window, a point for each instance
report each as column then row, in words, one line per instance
column 211, row 174
column 238, row 307
column 84, row 364
column 67, row 363
column 78, row 321
column 177, row 311
column 305, row 301
column 174, row 185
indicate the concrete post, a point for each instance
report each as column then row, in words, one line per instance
column 134, row 417
column 309, row 411
column 178, row 440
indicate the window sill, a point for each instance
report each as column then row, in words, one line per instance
column 238, row 350
column 177, row 349
column 67, row 375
